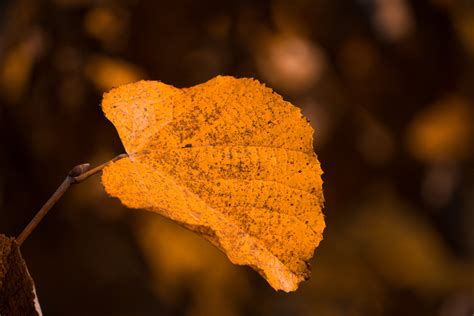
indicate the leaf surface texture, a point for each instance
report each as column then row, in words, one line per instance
column 228, row 159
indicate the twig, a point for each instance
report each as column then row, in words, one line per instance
column 77, row 175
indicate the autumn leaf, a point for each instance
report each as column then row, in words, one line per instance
column 228, row 159
column 17, row 294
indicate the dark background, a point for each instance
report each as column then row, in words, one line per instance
column 387, row 84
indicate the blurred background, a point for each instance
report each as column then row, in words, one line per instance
column 387, row 84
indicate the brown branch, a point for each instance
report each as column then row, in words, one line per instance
column 77, row 175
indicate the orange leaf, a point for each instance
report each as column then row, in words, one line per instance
column 228, row 159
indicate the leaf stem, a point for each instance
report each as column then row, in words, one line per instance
column 77, row 175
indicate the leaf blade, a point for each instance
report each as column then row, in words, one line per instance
column 233, row 160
